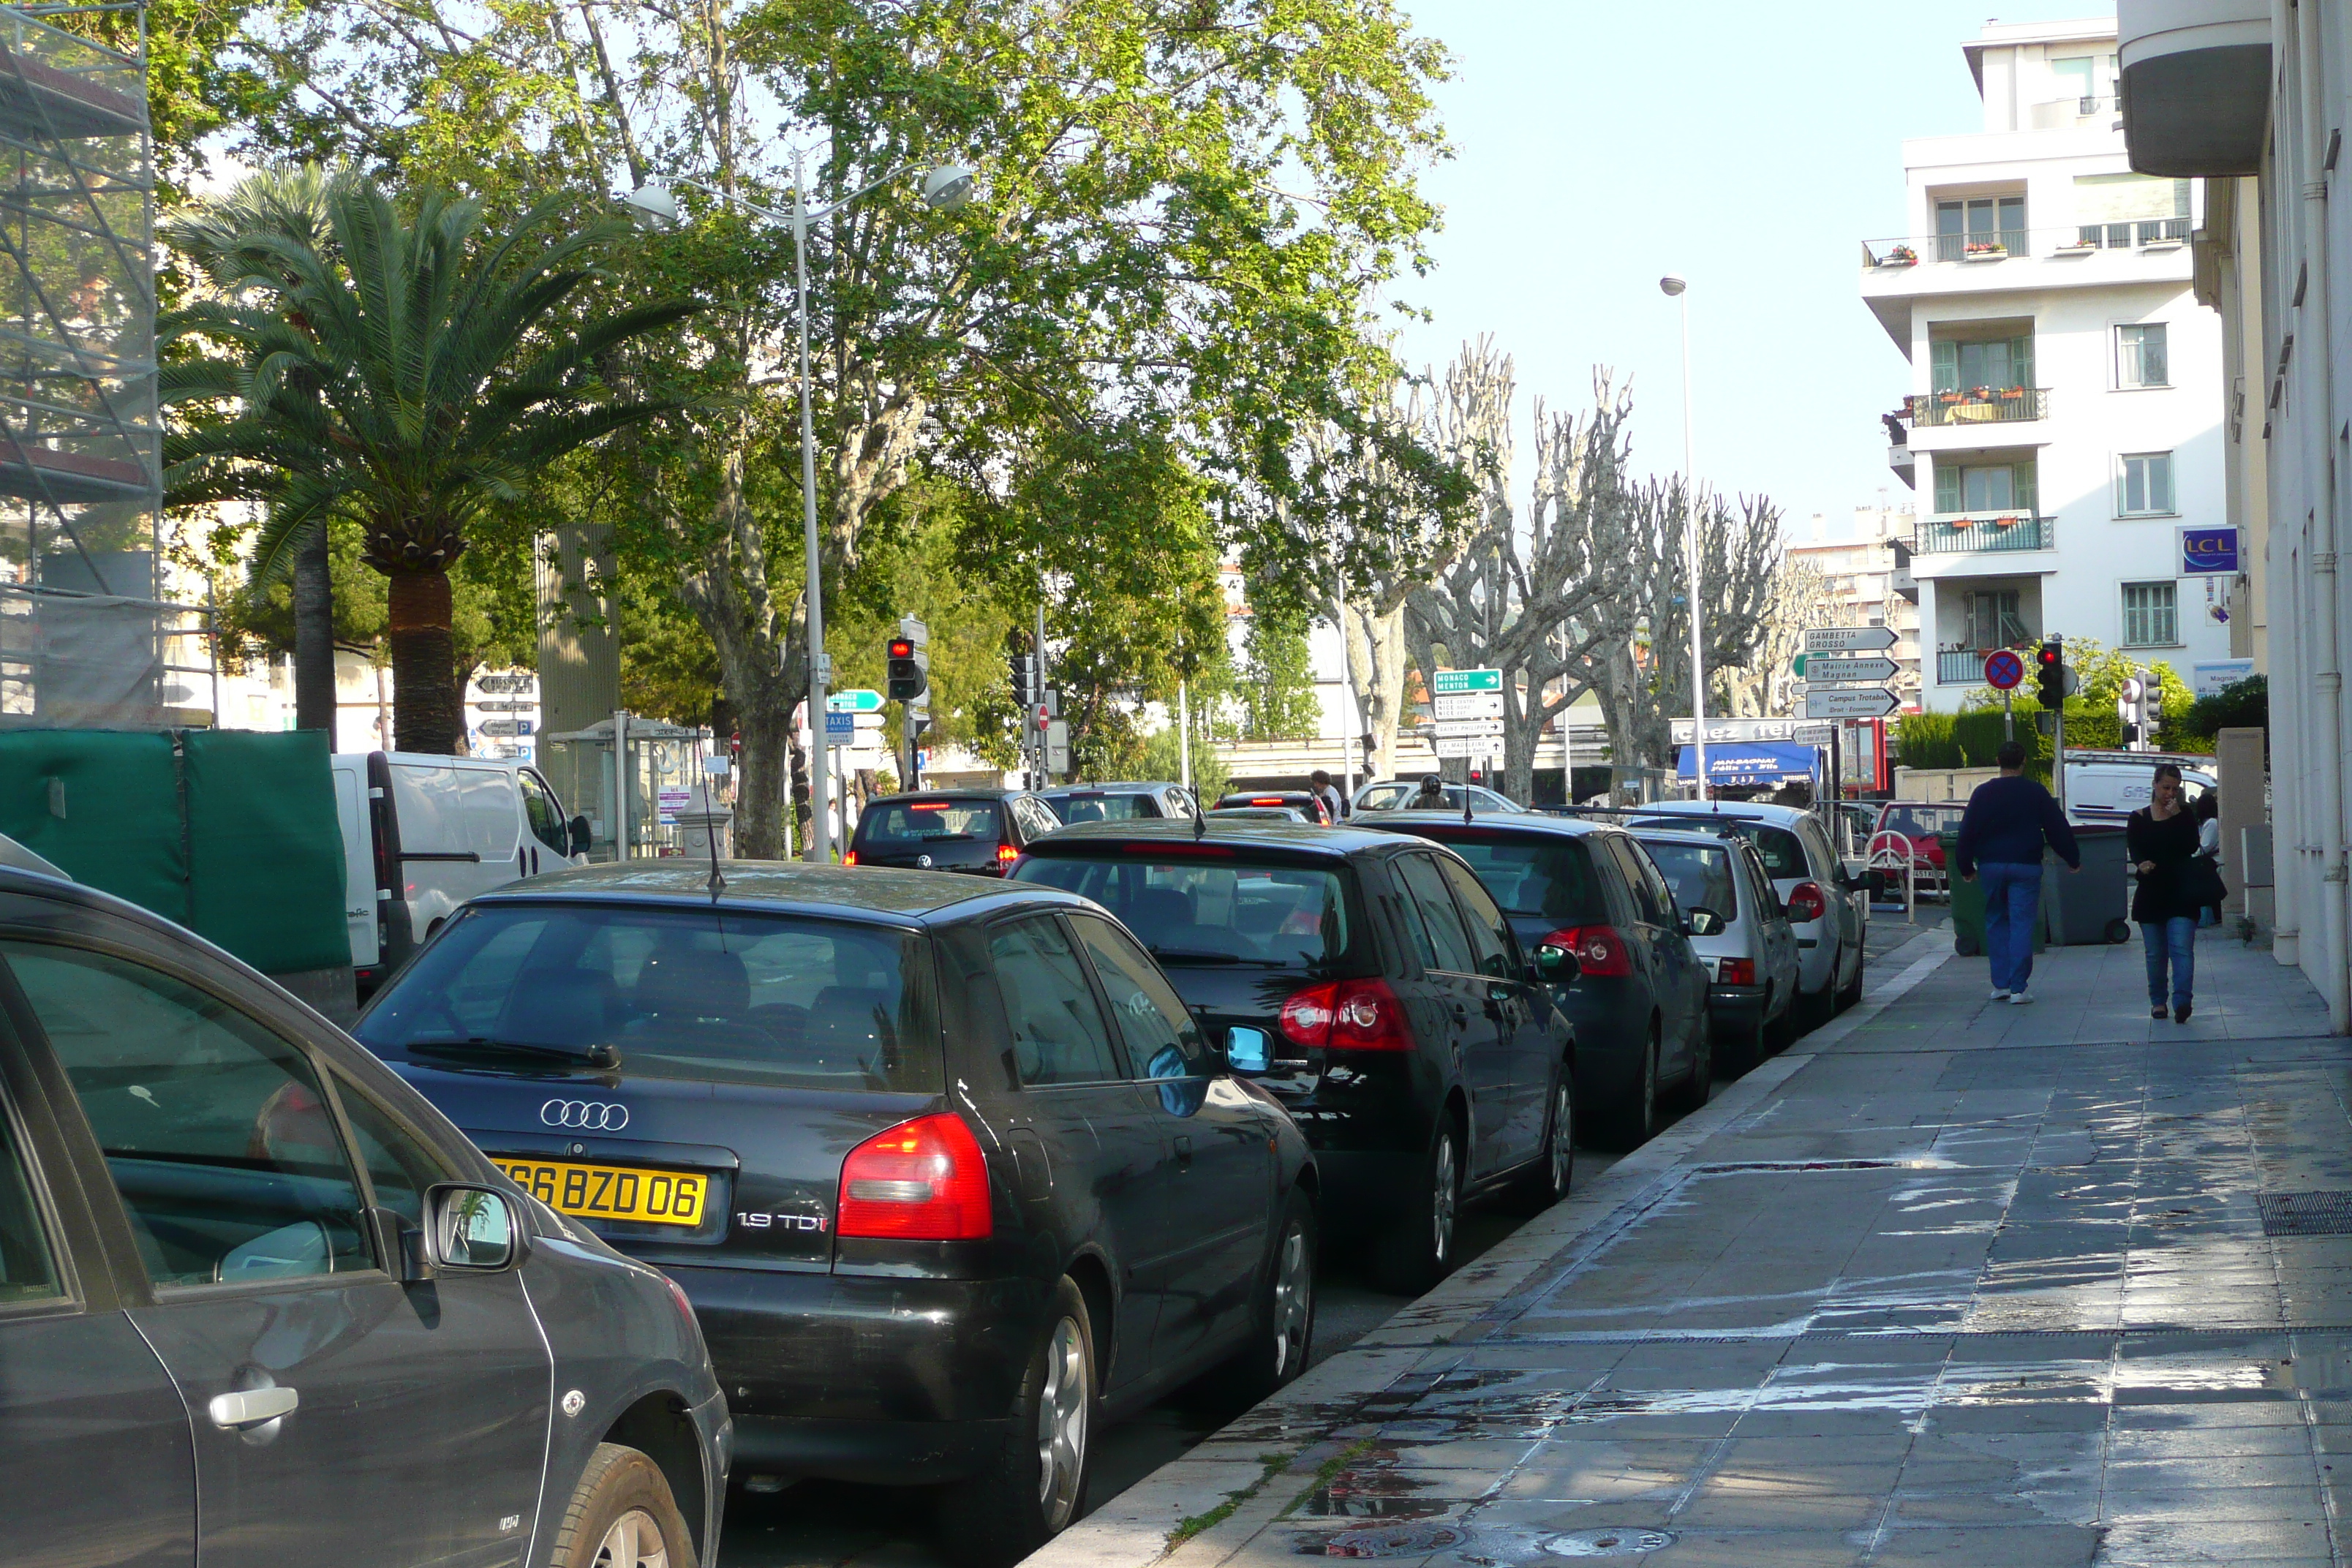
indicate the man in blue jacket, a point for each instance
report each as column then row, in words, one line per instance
column 2002, row 834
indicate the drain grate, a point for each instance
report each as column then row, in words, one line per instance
column 1607, row 1543
column 1392, row 1541
column 2308, row 1214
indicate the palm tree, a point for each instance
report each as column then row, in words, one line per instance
column 407, row 371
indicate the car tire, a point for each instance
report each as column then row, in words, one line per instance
column 622, row 1515
column 1849, row 994
column 1033, row 1486
column 1776, row 1032
column 1419, row 1251
column 1631, row 1119
column 1699, row 1082
column 1546, row 1177
column 1735, row 1058
column 1283, row 1332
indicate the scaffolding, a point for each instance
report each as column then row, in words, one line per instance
column 86, row 635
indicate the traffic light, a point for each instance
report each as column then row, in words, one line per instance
column 910, row 670
column 1023, row 669
column 2128, row 709
column 2050, row 674
column 2151, row 709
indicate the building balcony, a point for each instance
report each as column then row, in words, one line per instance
column 1979, row 405
column 1898, row 272
column 2196, row 85
column 1991, row 245
column 1975, row 533
column 1962, row 667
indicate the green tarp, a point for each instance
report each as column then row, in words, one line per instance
column 230, row 833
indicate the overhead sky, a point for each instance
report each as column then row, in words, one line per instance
column 1749, row 148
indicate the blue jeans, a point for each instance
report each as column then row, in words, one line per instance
column 2012, row 898
column 2178, row 939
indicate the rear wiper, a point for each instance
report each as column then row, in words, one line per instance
column 597, row 1055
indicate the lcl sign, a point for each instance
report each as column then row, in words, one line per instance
column 2209, row 550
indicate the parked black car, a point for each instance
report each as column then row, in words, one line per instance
column 260, row 1302
column 1118, row 802
column 946, row 1168
column 980, row 831
column 1640, row 1000
column 1372, row 986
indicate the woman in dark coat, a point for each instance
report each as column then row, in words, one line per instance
column 2161, row 838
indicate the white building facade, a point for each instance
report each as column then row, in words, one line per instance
column 2063, row 422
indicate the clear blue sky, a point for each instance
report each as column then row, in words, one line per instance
column 1748, row 147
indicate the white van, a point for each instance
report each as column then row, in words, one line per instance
column 2108, row 786
column 422, row 834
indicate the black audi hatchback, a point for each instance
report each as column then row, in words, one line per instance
column 946, row 1168
column 259, row 1302
column 1373, row 986
column 976, row 831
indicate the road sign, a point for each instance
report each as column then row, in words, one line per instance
column 839, row 728
column 1849, row 640
column 857, row 701
column 1851, row 671
column 1470, row 705
column 1851, row 702
column 1447, row 746
column 1449, row 681
column 1797, row 666
column 1465, row 729
column 2003, row 669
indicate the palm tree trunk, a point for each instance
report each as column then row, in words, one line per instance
column 426, row 716
column 314, row 637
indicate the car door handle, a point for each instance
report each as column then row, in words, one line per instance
column 1461, row 1013
column 1183, row 1154
column 235, row 1412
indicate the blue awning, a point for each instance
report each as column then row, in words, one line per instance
column 1745, row 762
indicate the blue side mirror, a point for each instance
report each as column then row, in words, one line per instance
column 1246, row 1050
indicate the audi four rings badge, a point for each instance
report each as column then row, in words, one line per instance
column 590, row 1115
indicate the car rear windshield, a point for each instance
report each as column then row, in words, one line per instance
column 1104, row 808
column 710, row 994
column 1551, row 878
column 1700, row 874
column 1783, row 852
column 1215, row 910
column 1919, row 821
column 928, row 822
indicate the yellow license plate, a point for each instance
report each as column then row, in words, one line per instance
column 611, row 1191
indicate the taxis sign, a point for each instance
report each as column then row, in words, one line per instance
column 2209, row 550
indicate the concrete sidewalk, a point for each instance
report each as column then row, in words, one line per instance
column 1962, row 1283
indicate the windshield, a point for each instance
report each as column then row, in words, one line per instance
column 679, row 994
column 1103, row 808
column 1550, row 878
column 1919, row 821
column 1700, row 874
column 926, row 821
column 1783, row 852
column 1189, row 911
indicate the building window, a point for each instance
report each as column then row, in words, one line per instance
column 2143, row 488
column 1993, row 619
column 1963, row 367
column 2140, row 356
column 1979, row 224
column 1984, row 487
column 2151, row 615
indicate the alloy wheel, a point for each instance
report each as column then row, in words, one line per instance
column 1062, row 1425
column 635, row 1541
column 1443, row 1200
column 1293, row 1301
column 1562, row 1152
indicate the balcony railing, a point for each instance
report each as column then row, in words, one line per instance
column 1960, row 666
column 1964, row 533
column 1983, row 404
column 2162, row 234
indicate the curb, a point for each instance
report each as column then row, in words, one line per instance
column 1243, row 1477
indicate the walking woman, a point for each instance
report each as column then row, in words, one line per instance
column 2161, row 838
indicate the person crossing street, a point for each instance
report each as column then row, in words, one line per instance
column 2008, row 821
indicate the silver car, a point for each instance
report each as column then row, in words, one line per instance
column 1750, row 952
column 1404, row 794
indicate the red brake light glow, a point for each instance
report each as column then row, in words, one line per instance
column 1267, row 800
column 1005, row 855
column 1735, row 971
column 1600, row 950
column 849, row 857
column 923, row 1180
column 927, row 805
column 1806, row 902
column 1346, row 1016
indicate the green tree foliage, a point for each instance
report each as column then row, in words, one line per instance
column 1160, row 758
column 1278, row 679
column 2241, row 704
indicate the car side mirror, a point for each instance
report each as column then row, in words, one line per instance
column 1554, row 965
column 470, row 1229
column 1702, row 921
column 1248, row 1050
column 581, row 836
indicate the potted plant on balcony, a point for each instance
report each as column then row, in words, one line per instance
column 1984, row 250
column 1900, row 255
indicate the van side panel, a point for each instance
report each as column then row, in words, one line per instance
column 460, row 823
column 358, row 861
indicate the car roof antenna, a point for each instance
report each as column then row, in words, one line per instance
column 717, row 884
column 1200, row 821
column 1465, row 802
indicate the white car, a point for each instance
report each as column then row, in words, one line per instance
column 1402, row 795
column 2109, row 786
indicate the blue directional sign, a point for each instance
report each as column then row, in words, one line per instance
column 840, row 729
column 2206, row 549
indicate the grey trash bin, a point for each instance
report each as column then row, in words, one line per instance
column 2094, row 906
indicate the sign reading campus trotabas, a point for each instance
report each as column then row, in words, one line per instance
column 1851, row 702
column 1847, row 639
column 1450, row 682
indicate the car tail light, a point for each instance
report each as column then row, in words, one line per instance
column 1599, row 950
column 1346, row 1016
column 923, row 1180
column 1806, row 902
column 685, row 1307
column 849, row 857
column 1735, row 971
column 1005, row 855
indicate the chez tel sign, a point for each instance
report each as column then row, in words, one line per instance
column 1731, row 731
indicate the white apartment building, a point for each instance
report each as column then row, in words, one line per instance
column 1870, row 583
column 2063, row 424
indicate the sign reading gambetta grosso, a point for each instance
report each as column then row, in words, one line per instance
column 2209, row 550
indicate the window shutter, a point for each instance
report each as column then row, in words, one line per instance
column 1944, row 360
column 1948, row 487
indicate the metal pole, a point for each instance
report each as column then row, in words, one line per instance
column 2008, row 720
column 1690, row 569
column 1184, row 735
column 820, row 845
column 1043, row 779
column 1351, row 718
column 620, row 783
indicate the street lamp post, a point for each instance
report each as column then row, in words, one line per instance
column 1677, row 290
column 946, row 188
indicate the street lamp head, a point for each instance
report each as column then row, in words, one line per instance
column 654, row 202
column 1671, row 285
column 948, row 186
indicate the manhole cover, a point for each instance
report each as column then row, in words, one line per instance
column 2306, row 1214
column 1606, row 1542
column 1391, row 1540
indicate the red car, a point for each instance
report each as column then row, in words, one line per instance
column 1920, row 822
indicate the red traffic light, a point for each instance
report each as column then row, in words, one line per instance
column 902, row 648
column 2049, row 656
